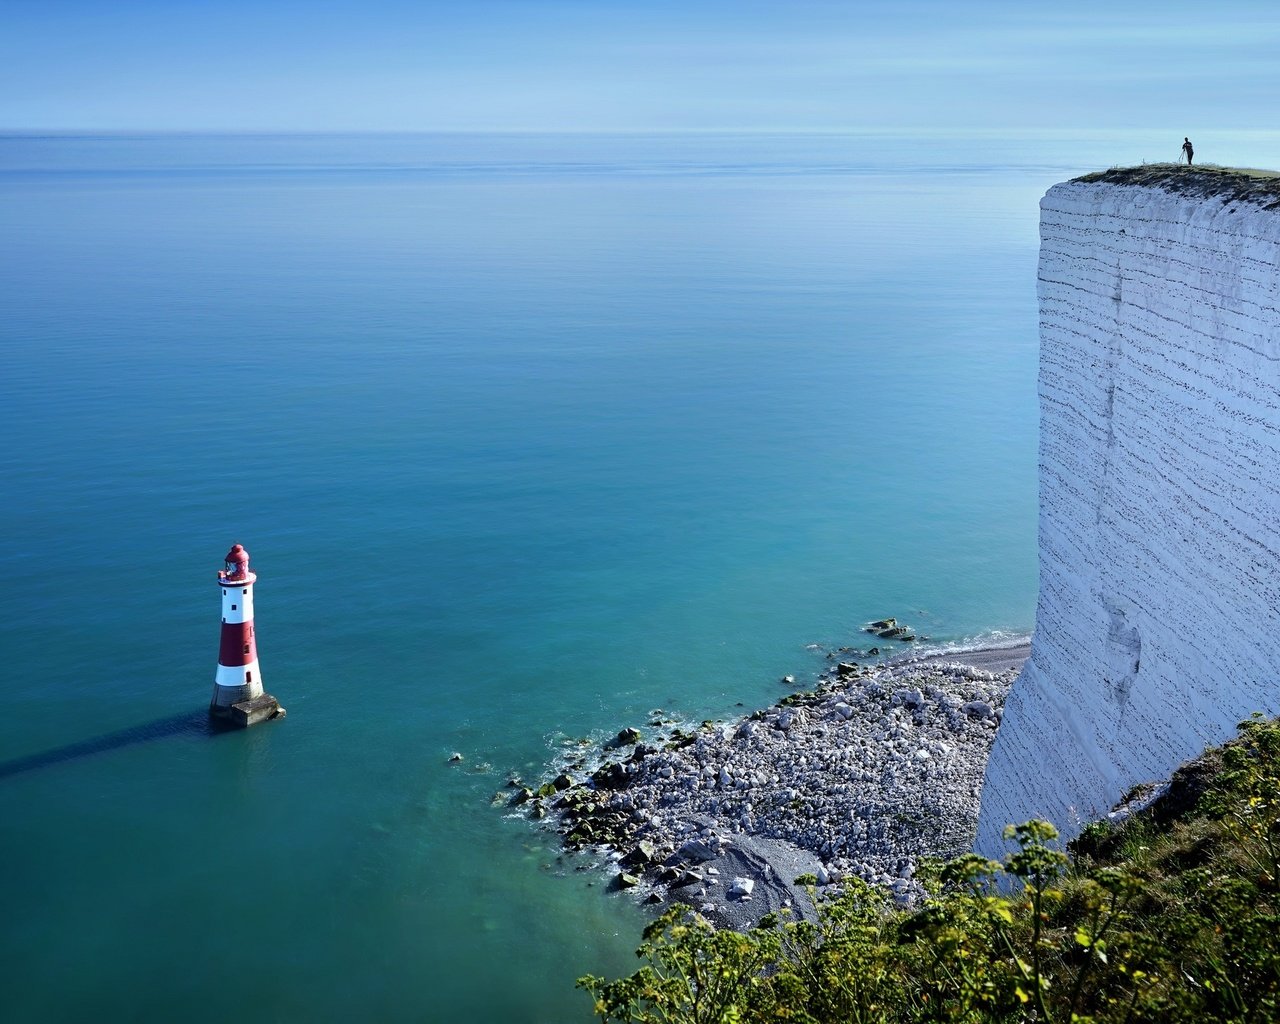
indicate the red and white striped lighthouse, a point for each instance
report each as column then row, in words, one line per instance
column 237, row 685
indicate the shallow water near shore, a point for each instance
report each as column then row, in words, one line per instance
column 526, row 436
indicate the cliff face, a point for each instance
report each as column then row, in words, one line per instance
column 1158, row 624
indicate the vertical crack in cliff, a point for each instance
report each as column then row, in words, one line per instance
column 1110, row 367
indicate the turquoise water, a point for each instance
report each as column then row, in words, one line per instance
column 527, row 436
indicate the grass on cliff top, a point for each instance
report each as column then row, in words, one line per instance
column 1172, row 916
column 1206, row 181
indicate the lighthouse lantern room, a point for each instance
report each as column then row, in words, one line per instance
column 238, row 696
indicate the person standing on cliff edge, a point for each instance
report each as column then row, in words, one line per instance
column 1187, row 151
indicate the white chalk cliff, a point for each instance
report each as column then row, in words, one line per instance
column 1158, row 623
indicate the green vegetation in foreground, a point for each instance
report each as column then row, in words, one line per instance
column 1171, row 916
column 1206, row 181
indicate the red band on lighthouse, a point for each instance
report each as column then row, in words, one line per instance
column 237, row 644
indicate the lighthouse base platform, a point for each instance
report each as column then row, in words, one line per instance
column 248, row 712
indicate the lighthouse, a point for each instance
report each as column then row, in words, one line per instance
column 238, row 696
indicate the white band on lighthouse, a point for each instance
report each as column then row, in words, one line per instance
column 229, row 676
column 237, row 601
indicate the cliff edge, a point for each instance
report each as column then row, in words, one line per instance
column 1158, row 622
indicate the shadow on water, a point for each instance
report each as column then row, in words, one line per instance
column 189, row 723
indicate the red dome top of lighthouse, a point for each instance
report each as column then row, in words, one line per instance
column 237, row 569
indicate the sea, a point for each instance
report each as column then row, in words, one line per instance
column 527, row 436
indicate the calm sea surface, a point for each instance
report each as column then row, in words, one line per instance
column 527, row 435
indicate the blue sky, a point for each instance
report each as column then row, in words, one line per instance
column 636, row 65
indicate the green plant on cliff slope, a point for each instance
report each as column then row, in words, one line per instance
column 1172, row 916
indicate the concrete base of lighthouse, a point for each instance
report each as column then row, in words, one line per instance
column 251, row 712
column 243, row 712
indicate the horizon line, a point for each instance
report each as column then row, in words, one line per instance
column 30, row 131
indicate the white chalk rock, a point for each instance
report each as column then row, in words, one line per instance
column 910, row 697
column 740, row 889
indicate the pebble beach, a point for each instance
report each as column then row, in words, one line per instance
column 874, row 769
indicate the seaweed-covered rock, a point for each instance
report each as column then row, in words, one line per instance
column 641, row 854
column 626, row 738
column 610, row 776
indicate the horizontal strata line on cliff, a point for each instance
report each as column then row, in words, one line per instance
column 1158, row 355
column 1081, row 223
column 1209, row 351
column 1107, row 277
column 1203, row 481
column 1175, row 269
column 1136, row 543
column 1139, row 211
column 1182, row 328
column 1105, row 259
column 1255, row 271
column 1196, row 405
column 1105, row 246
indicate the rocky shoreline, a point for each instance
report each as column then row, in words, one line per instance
column 874, row 769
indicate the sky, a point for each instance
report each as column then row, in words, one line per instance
column 637, row 65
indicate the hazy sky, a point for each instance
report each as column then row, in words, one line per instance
column 637, row 64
